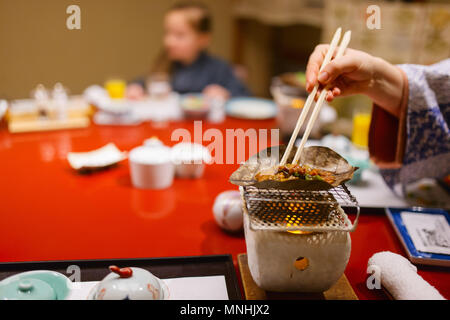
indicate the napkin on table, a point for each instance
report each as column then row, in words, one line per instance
column 400, row 278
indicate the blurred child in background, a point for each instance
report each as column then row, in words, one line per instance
column 185, row 60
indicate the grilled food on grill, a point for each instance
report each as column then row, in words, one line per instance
column 295, row 171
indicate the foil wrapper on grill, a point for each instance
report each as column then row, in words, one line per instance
column 316, row 157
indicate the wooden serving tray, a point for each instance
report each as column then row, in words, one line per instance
column 342, row 290
column 16, row 126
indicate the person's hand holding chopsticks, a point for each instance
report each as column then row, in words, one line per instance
column 357, row 73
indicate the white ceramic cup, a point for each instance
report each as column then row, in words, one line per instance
column 151, row 168
column 189, row 170
column 190, row 160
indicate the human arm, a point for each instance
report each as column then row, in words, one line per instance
column 357, row 72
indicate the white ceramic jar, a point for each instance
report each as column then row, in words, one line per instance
column 151, row 167
column 129, row 284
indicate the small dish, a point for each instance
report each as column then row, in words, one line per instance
column 190, row 159
column 194, row 106
column 35, row 285
column 101, row 158
column 129, row 284
column 151, row 167
column 251, row 108
column 118, row 107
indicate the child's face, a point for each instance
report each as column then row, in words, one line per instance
column 181, row 41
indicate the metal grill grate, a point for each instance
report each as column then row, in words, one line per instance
column 291, row 210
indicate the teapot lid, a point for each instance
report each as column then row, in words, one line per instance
column 129, row 284
column 27, row 289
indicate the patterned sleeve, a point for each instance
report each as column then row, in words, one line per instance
column 426, row 152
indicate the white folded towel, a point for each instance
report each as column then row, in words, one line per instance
column 400, row 278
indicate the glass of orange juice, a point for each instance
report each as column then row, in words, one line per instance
column 361, row 125
column 116, row 88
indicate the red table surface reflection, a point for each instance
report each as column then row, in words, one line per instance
column 49, row 212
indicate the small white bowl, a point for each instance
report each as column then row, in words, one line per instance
column 195, row 106
column 151, row 168
column 190, row 170
column 190, row 160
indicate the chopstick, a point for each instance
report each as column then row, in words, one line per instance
column 310, row 99
column 319, row 103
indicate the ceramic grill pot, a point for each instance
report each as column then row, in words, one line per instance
column 295, row 243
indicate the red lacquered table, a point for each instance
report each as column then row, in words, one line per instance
column 49, row 212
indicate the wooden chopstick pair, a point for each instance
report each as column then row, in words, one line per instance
column 310, row 99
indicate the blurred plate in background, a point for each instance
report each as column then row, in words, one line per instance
column 251, row 108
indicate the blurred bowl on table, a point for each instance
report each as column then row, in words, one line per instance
column 194, row 106
column 151, row 167
column 118, row 107
column 339, row 143
column 190, row 160
column 99, row 97
column 289, row 93
column 158, row 85
column 293, row 81
column 251, row 108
